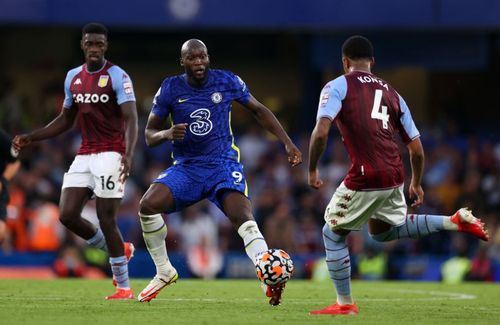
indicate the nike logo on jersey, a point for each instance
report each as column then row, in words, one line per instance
column 182, row 100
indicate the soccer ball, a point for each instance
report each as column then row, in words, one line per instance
column 274, row 266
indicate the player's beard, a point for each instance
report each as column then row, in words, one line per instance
column 200, row 75
column 94, row 62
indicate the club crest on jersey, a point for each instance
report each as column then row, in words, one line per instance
column 216, row 97
column 103, row 81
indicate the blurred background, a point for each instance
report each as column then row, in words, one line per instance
column 441, row 55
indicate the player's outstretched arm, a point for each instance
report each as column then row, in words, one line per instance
column 417, row 170
column 156, row 134
column 61, row 123
column 129, row 112
column 317, row 145
column 269, row 122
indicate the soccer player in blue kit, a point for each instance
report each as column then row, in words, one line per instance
column 206, row 160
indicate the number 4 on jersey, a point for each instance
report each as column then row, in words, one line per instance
column 380, row 112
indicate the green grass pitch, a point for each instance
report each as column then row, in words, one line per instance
column 72, row 302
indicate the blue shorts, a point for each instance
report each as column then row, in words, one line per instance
column 191, row 182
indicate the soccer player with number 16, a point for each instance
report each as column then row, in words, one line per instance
column 100, row 97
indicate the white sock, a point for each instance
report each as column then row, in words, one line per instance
column 154, row 231
column 254, row 242
column 344, row 300
column 448, row 225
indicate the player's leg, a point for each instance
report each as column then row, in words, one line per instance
column 107, row 210
column 338, row 262
column 238, row 209
column 157, row 199
column 347, row 210
column 171, row 191
column 230, row 194
column 105, row 170
column 391, row 222
column 77, row 188
column 420, row 225
column 71, row 204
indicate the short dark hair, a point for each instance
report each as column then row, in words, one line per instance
column 95, row 28
column 357, row 47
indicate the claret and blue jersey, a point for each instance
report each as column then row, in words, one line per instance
column 369, row 112
column 97, row 97
column 206, row 110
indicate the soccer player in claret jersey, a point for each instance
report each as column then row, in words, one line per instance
column 206, row 160
column 100, row 96
column 368, row 112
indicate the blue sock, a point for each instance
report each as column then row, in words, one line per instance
column 119, row 267
column 98, row 240
column 339, row 264
column 416, row 226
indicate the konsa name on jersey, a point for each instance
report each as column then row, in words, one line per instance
column 90, row 98
column 369, row 79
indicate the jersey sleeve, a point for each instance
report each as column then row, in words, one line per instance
column 68, row 96
column 407, row 128
column 241, row 92
column 161, row 102
column 122, row 85
column 331, row 97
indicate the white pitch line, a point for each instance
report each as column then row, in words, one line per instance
column 443, row 294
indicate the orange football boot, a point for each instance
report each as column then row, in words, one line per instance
column 121, row 294
column 337, row 309
column 466, row 222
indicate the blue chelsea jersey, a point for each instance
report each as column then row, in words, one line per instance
column 206, row 110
